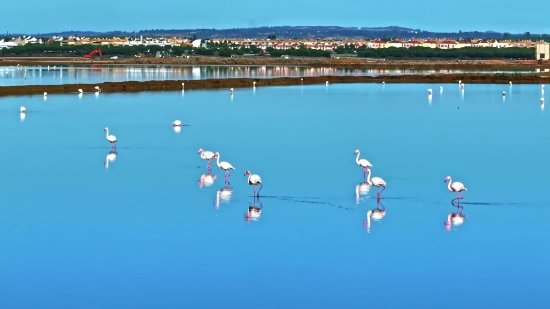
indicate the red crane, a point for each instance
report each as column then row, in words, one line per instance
column 89, row 56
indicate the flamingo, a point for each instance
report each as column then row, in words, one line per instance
column 97, row 89
column 440, row 88
column 22, row 109
column 377, row 182
column 430, row 91
column 459, row 82
column 254, row 180
column 45, row 94
column 454, row 219
column 363, row 163
column 80, row 91
column 182, row 86
column 457, row 187
column 326, row 82
column 301, row 79
column 176, row 123
column 206, row 155
column 224, row 166
column 110, row 138
column 207, row 180
column 254, row 83
column 111, row 156
column 462, row 86
column 231, row 90
column 383, row 83
column 504, row 93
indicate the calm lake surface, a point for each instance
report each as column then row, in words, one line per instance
column 41, row 75
column 146, row 232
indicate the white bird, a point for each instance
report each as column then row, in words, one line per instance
column 440, row 88
column 182, row 86
column 430, row 91
column 542, row 100
column 80, row 91
column 254, row 83
column 459, row 82
column 111, row 156
column 462, row 86
column 97, row 89
column 110, row 138
column 362, row 162
column 231, row 90
column 383, row 83
column 224, row 166
column 22, row 109
column 45, row 94
column 510, row 83
column 504, row 93
column 326, row 82
column 377, row 182
column 254, row 180
column 176, row 123
column 457, row 187
column 207, row 155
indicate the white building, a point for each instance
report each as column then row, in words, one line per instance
column 543, row 51
column 4, row 44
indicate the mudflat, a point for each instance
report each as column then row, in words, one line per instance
column 314, row 62
column 135, row 86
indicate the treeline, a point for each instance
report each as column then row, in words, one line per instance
column 228, row 49
column 458, row 53
column 81, row 50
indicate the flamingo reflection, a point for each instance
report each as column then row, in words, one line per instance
column 111, row 156
column 455, row 219
column 253, row 211
column 375, row 214
column 362, row 189
column 223, row 195
column 207, row 180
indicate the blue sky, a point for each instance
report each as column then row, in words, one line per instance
column 435, row 15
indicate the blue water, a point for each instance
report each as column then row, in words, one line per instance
column 42, row 75
column 143, row 233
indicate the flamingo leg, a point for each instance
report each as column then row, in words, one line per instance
column 261, row 187
column 379, row 194
column 365, row 174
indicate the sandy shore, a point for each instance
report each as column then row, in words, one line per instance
column 134, row 86
column 314, row 62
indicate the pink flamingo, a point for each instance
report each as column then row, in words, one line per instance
column 206, row 155
column 457, row 187
column 254, row 180
column 362, row 162
column 377, row 182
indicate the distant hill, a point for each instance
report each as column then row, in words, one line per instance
column 298, row 32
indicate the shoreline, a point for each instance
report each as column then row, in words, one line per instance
column 268, row 61
column 171, row 85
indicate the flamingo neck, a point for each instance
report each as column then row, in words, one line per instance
column 357, row 158
column 449, row 186
column 249, row 176
column 368, row 179
column 218, row 160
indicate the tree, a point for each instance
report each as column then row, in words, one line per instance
column 271, row 37
column 527, row 34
